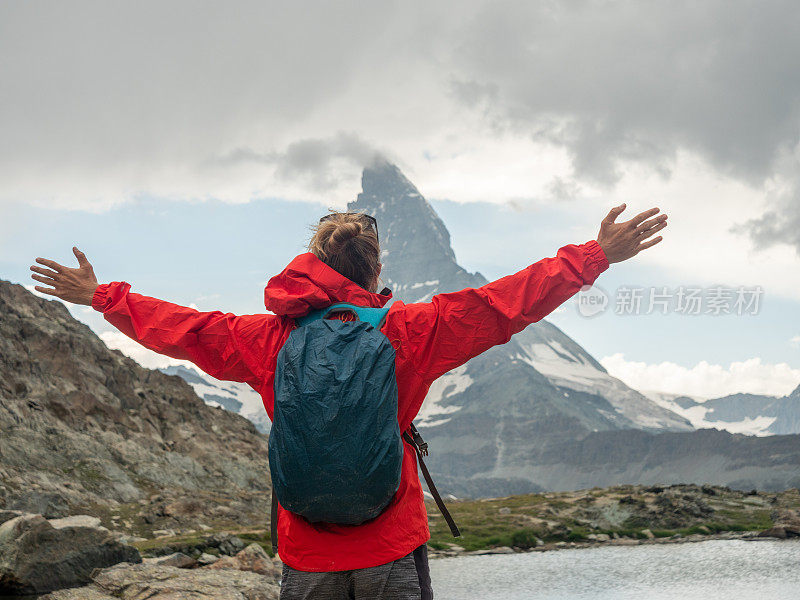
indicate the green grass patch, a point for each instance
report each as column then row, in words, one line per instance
column 436, row 545
column 525, row 538
column 746, row 520
column 150, row 546
column 663, row 533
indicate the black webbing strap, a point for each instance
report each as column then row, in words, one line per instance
column 273, row 523
column 413, row 437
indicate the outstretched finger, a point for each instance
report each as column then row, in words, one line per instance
column 641, row 217
column 652, row 230
column 47, row 280
column 650, row 223
column 82, row 261
column 650, row 244
column 51, row 263
column 613, row 214
column 42, row 271
column 45, row 290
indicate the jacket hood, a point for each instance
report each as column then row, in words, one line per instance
column 307, row 284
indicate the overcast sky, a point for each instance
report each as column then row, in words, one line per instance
column 550, row 112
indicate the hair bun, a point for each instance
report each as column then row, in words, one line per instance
column 349, row 245
column 343, row 233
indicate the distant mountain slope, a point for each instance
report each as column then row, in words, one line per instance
column 634, row 456
column 752, row 414
column 83, row 427
column 230, row 395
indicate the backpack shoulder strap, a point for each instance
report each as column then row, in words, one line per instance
column 373, row 316
column 413, row 437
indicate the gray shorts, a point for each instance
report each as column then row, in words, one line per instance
column 406, row 578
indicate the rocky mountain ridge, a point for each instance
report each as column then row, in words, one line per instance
column 753, row 414
column 86, row 429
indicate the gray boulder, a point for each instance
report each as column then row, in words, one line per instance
column 37, row 555
column 207, row 559
column 252, row 558
column 774, row 532
column 228, row 545
column 81, row 593
column 51, row 505
column 787, row 524
column 789, row 519
column 177, row 559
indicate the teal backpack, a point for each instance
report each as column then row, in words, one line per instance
column 335, row 449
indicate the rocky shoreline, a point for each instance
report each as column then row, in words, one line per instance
column 235, row 570
column 248, row 575
column 753, row 536
column 251, row 575
column 620, row 515
column 76, row 558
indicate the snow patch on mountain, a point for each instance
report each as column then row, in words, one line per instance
column 433, row 412
column 569, row 370
column 749, row 426
column 702, row 417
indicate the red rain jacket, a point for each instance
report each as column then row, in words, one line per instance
column 430, row 339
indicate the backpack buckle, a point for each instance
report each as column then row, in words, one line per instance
column 416, row 438
column 421, row 444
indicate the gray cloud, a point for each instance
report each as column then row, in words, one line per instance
column 781, row 226
column 113, row 77
column 637, row 81
column 195, row 98
column 313, row 160
column 118, row 98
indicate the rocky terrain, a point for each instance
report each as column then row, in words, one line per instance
column 618, row 515
column 84, row 429
column 76, row 558
column 547, row 521
column 40, row 555
column 248, row 575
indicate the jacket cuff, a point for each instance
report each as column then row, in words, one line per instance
column 596, row 263
column 100, row 297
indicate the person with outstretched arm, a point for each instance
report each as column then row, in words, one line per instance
column 385, row 556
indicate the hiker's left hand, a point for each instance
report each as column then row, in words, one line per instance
column 621, row 241
column 73, row 285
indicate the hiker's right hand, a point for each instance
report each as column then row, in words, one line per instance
column 73, row 285
column 621, row 241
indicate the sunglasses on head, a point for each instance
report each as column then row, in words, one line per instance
column 369, row 220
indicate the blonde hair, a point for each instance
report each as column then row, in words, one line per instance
column 345, row 242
